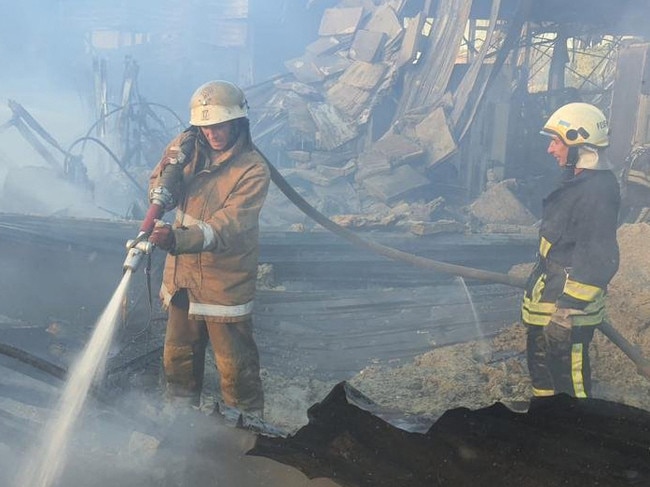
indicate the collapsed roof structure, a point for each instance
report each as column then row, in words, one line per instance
column 406, row 101
column 394, row 112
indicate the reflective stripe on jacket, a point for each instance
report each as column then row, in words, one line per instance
column 217, row 231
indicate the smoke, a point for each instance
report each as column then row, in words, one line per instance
column 63, row 59
column 138, row 441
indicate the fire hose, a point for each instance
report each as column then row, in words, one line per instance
column 161, row 201
column 642, row 364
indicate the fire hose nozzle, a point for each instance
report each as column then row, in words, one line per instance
column 136, row 251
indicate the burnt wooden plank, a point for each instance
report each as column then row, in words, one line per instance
column 305, row 69
column 341, row 332
column 385, row 20
column 363, row 75
column 411, row 41
column 340, row 21
column 367, row 45
column 391, row 187
column 434, row 134
column 349, row 100
column 323, row 45
column 333, row 129
column 398, row 148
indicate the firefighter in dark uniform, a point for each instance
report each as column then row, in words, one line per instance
column 564, row 300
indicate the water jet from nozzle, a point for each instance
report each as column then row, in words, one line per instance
column 45, row 464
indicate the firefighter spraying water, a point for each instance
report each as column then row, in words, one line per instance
column 217, row 180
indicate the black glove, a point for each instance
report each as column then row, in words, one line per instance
column 188, row 145
column 163, row 236
column 557, row 333
column 182, row 153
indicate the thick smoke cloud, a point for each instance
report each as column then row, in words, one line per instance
column 52, row 51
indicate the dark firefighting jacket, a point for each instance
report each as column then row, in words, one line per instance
column 578, row 252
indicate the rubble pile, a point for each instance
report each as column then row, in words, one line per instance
column 479, row 373
column 364, row 122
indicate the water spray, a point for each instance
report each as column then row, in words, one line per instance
column 46, row 464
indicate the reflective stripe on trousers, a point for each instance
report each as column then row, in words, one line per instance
column 567, row 370
column 236, row 357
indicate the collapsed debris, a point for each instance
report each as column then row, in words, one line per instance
column 361, row 111
column 372, row 171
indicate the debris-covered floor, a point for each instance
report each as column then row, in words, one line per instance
column 415, row 370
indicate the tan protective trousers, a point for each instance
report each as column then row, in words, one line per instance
column 235, row 353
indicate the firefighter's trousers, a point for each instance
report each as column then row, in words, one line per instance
column 235, row 353
column 566, row 369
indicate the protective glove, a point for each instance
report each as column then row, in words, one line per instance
column 163, row 236
column 557, row 333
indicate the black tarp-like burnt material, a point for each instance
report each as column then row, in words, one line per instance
column 559, row 441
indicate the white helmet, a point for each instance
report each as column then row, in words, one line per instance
column 579, row 124
column 216, row 102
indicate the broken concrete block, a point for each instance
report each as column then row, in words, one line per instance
column 499, row 205
column 433, row 134
column 339, row 21
column 530, row 230
column 398, row 149
column 364, row 221
column 440, row 226
column 372, row 163
column 394, row 186
column 429, row 211
column 367, row 45
column 401, row 209
column 338, row 198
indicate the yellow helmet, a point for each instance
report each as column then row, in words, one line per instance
column 579, row 124
column 216, row 102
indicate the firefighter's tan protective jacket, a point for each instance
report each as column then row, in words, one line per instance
column 217, row 229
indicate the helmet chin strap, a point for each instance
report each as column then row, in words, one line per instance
column 572, row 157
column 235, row 131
